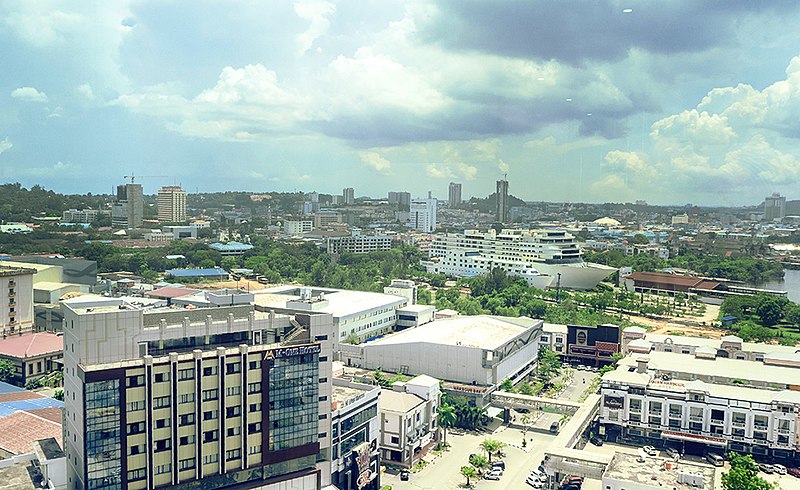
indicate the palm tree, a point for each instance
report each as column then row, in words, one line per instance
column 469, row 472
column 491, row 446
column 479, row 462
column 447, row 419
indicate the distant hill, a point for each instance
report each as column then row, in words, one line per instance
column 488, row 204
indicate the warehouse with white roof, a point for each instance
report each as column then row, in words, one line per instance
column 480, row 350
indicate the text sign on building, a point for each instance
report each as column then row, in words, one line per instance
column 293, row 351
column 613, row 402
column 361, row 456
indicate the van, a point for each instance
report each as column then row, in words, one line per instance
column 554, row 427
column 715, row 459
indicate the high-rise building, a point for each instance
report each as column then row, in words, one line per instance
column 501, row 212
column 16, row 300
column 348, row 196
column 226, row 397
column 401, row 199
column 774, row 207
column 423, row 214
column 128, row 210
column 171, row 204
column 454, row 195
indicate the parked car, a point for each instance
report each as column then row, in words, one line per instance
column 596, row 441
column 554, row 427
column 540, row 475
column 404, row 475
column 573, row 480
column 493, row 474
column 779, row 469
column 534, row 482
column 499, row 464
column 650, row 450
column 715, row 459
column 793, row 471
column 570, row 487
column 766, row 468
column 672, row 452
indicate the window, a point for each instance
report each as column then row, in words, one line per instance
column 395, row 440
column 135, row 406
column 254, row 449
column 137, row 449
column 255, row 407
column 136, row 475
column 163, row 468
column 161, row 377
column 233, row 411
column 161, row 445
column 320, row 338
column 186, row 464
column 209, row 370
column 161, row 402
column 210, row 415
column 210, row 458
column 635, row 405
column 210, row 436
column 212, row 394
column 254, row 428
column 134, row 381
column 233, row 454
column 161, row 423
column 323, row 380
column 233, row 368
column 135, row 428
column 253, row 388
column 255, row 364
column 184, row 374
column 234, row 431
column 186, row 440
column 233, row 390
column 187, row 398
column 186, row 419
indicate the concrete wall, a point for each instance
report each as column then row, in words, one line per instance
column 450, row 362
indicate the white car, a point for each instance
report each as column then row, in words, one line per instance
column 779, row 469
column 650, row 450
column 534, row 482
column 539, row 475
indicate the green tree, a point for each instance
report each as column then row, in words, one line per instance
column 492, row 446
column 59, row 394
column 639, row 239
column 468, row 472
column 424, row 296
column 549, row 365
column 447, row 419
column 744, row 475
column 770, row 309
column 7, row 370
column 507, row 385
column 479, row 462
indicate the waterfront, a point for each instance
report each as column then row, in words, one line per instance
column 790, row 283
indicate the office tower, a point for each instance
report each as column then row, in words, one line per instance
column 128, row 210
column 16, row 300
column 225, row 397
column 454, row 195
column 423, row 214
column 401, row 199
column 774, row 207
column 171, row 204
column 501, row 213
column 348, row 196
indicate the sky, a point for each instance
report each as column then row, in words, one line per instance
column 584, row 101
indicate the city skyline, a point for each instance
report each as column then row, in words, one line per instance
column 669, row 103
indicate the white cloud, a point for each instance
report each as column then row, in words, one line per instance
column 375, row 161
column 503, row 166
column 5, row 145
column 317, row 13
column 29, row 94
column 85, row 91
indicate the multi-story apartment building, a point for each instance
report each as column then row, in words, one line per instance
column 348, row 196
column 358, row 244
column 128, row 210
column 16, row 300
column 408, row 419
column 80, row 216
column 171, row 202
column 423, row 214
column 454, row 194
column 501, row 206
column 227, row 397
column 700, row 404
column 355, row 433
column 297, row 226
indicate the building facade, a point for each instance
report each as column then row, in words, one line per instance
column 423, row 214
column 454, row 194
column 128, row 210
column 16, row 300
column 501, row 207
column 207, row 398
column 171, row 204
column 348, row 196
column 297, row 227
column 408, row 419
column 774, row 207
column 355, row 435
column 80, row 216
column 357, row 244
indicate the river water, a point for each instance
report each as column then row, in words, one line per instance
column 790, row 283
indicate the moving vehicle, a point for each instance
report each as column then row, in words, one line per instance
column 650, row 450
column 715, row 459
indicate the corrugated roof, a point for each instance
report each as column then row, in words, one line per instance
column 170, row 292
column 19, row 431
column 31, row 345
column 657, row 277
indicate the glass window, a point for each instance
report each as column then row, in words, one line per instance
column 103, row 447
column 185, row 374
column 293, row 401
column 161, row 401
column 212, row 394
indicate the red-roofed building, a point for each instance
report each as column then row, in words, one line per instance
column 170, row 292
column 18, row 431
column 33, row 355
column 658, row 281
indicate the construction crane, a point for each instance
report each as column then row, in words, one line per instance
column 133, row 177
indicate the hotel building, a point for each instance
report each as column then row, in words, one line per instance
column 226, row 397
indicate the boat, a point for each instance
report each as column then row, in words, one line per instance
column 544, row 258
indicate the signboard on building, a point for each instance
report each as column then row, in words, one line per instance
column 613, row 402
column 361, row 457
column 293, row 351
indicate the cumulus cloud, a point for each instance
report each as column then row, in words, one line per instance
column 375, row 161
column 29, row 94
column 317, row 13
column 5, row 145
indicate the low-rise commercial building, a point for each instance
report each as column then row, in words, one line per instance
column 16, row 300
column 355, row 435
column 33, row 355
column 627, row 472
column 357, row 244
column 408, row 419
column 414, row 316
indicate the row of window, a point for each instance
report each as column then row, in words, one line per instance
column 188, row 373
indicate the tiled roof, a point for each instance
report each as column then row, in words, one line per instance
column 20, row 430
column 31, row 345
column 170, row 292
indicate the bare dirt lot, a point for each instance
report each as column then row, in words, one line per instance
column 246, row 284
